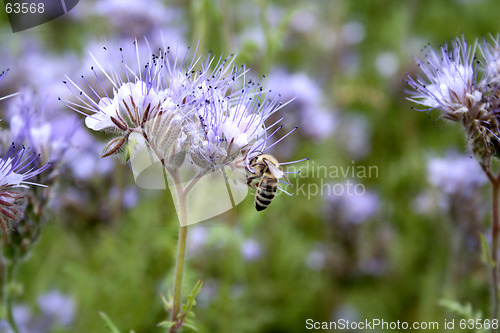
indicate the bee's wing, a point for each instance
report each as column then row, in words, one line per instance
column 275, row 170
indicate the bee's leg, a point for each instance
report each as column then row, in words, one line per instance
column 249, row 183
column 251, row 178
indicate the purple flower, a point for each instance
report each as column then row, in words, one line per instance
column 354, row 208
column 316, row 258
column 82, row 157
column 251, row 250
column 29, row 125
column 463, row 90
column 307, row 109
column 129, row 18
column 183, row 108
column 233, row 126
column 455, row 174
column 197, row 239
column 491, row 64
column 354, row 135
column 16, row 168
column 128, row 197
column 450, row 81
column 58, row 307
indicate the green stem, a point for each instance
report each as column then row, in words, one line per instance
column 495, row 228
column 10, row 272
column 179, row 269
column 181, row 249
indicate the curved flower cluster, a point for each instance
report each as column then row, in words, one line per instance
column 464, row 89
column 203, row 113
column 16, row 168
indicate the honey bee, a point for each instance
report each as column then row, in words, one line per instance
column 267, row 172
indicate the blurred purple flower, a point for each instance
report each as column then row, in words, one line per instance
column 387, row 64
column 305, row 20
column 128, row 196
column 353, row 208
column 83, row 156
column 354, row 135
column 197, row 239
column 251, row 250
column 59, row 308
column 316, row 258
column 45, row 71
column 353, row 32
column 25, row 320
column 130, row 19
column 455, row 173
column 30, row 125
column 40, row 71
column 307, row 108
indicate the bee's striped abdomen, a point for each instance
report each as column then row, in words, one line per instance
column 266, row 190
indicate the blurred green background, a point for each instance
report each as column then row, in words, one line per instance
column 305, row 257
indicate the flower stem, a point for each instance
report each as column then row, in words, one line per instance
column 179, row 268
column 495, row 228
column 10, row 271
column 181, row 249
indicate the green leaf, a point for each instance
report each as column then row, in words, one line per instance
column 485, row 252
column 464, row 310
column 109, row 324
column 190, row 326
column 191, row 298
column 167, row 304
column 167, row 324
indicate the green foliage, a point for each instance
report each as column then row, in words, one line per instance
column 486, row 252
column 463, row 310
column 109, row 323
column 466, row 313
column 186, row 316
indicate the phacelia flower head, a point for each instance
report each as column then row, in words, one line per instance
column 192, row 117
column 201, row 110
column 491, row 64
column 450, row 81
column 16, row 169
column 137, row 97
column 233, row 126
column 464, row 89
